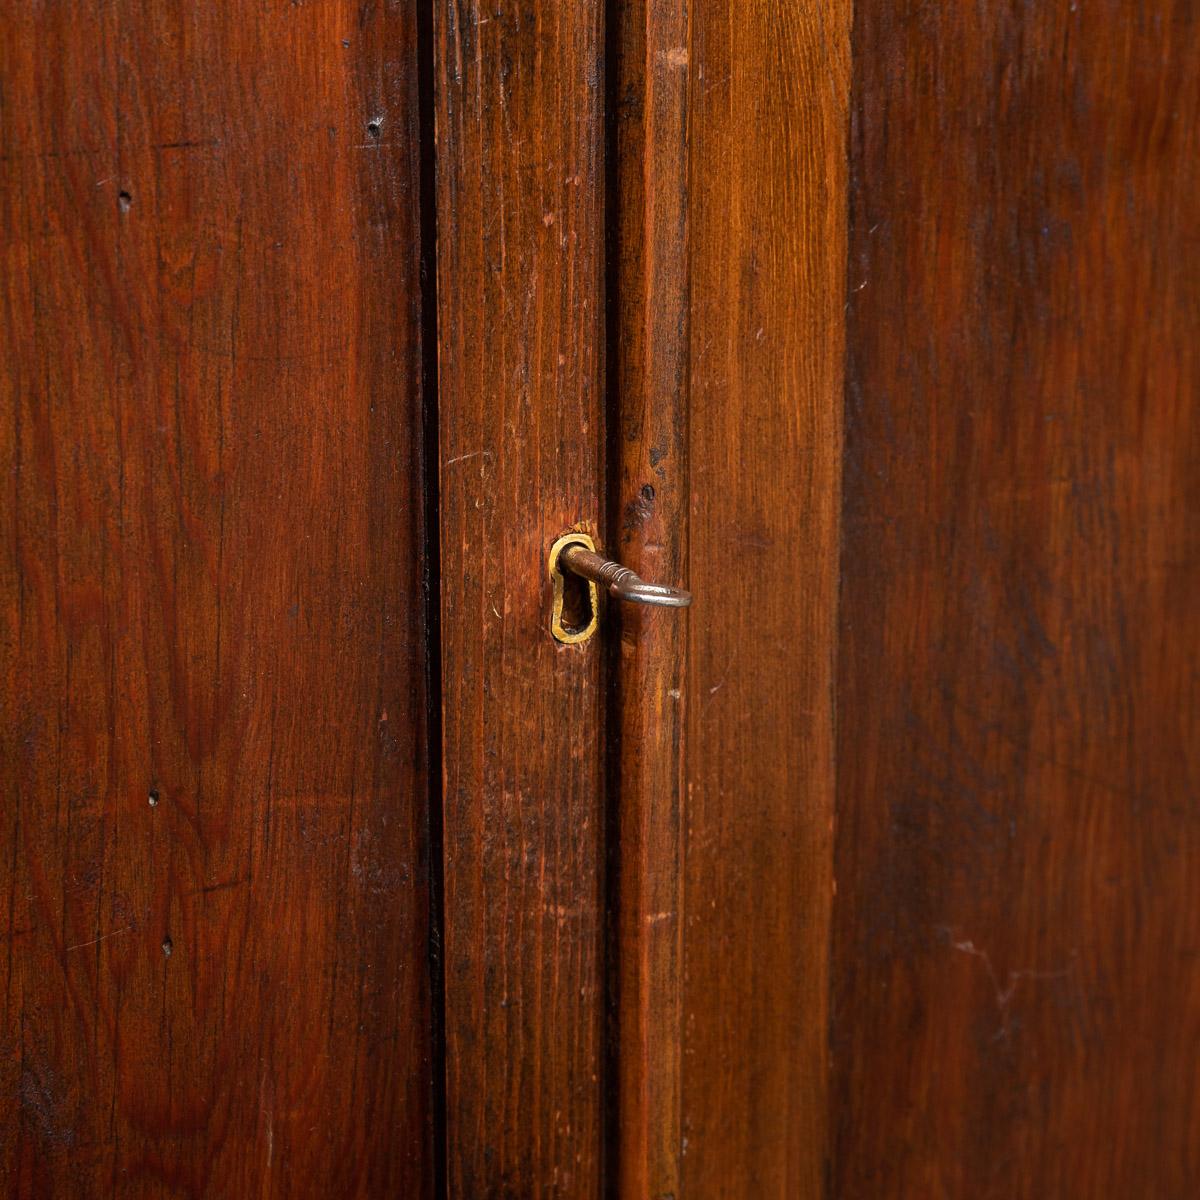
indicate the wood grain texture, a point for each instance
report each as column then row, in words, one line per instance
column 519, row 196
column 648, row 313
column 215, row 974
column 1017, row 1006
column 767, row 211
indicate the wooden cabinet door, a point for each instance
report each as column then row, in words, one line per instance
column 216, row 862
column 1016, row 927
column 520, row 135
column 329, row 870
column 900, row 379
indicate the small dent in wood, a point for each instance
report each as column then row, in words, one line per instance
column 640, row 509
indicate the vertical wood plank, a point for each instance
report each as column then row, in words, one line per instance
column 1017, row 1006
column 767, row 209
column 648, row 311
column 519, row 127
column 214, row 865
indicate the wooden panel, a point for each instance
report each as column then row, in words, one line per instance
column 1017, row 1002
column 520, row 90
column 648, row 312
column 213, row 758
column 767, row 211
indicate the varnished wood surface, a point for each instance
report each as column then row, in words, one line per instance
column 767, row 211
column 1017, row 1005
column 214, row 763
column 213, row 879
column 648, row 314
column 519, row 205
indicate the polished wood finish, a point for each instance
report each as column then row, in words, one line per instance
column 648, row 322
column 767, row 212
column 1017, row 1005
column 213, row 721
column 520, row 93
column 327, row 872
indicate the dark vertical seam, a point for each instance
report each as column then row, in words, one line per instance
column 610, row 474
column 432, row 581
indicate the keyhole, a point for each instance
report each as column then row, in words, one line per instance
column 574, row 616
column 576, row 603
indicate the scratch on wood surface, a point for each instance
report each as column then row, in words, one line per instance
column 486, row 455
column 102, row 938
column 1012, row 978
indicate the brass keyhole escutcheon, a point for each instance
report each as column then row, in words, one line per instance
column 576, row 609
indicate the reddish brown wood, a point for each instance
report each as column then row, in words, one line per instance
column 215, row 867
column 767, row 214
column 1017, row 1005
column 648, row 309
column 520, row 134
